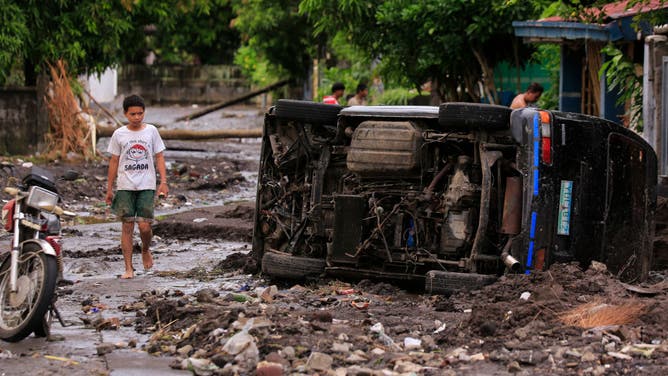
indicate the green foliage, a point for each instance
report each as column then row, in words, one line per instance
column 550, row 56
column 451, row 41
column 92, row 35
column 257, row 69
column 196, row 33
column 277, row 34
column 13, row 32
column 398, row 96
column 620, row 74
column 89, row 35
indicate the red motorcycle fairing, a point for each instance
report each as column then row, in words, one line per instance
column 8, row 215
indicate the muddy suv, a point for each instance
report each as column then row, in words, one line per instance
column 451, row 196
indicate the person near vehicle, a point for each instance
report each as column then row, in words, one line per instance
column 337, row 92
column 359, row 99
column 136, row 151
column 529, row 97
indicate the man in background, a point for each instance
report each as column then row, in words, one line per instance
column 359, row 99
column 337, row 92
column 529, row 97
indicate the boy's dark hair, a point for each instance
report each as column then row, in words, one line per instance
column 535, row 87
column 361, row 87
column 133, row 101
column 338, row 86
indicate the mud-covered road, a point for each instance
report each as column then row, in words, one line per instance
column 204, row 309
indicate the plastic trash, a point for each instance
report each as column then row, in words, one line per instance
column 384, row 338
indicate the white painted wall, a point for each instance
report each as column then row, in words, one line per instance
column 105, row 87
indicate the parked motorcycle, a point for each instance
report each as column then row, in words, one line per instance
column 29, row 274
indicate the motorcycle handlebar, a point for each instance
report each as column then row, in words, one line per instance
column 55, row 209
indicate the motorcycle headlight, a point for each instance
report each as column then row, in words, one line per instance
column 40, row 198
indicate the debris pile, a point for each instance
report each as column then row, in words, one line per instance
column 374, row 328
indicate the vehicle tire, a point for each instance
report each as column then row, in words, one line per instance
column 282, row 265
column 40, row 270
column 440, row 282
column 43, row 329
column 473, row 116
column 308, row 112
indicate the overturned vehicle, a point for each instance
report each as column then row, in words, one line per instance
column 451, row 196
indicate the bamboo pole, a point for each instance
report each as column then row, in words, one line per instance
column 104, row 109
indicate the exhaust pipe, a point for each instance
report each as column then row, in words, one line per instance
column 511, row 262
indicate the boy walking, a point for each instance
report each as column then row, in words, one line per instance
column 136, row 151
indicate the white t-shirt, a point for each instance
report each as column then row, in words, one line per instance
column 136, row 149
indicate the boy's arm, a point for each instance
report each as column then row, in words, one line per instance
column 163, row 190
column 111, row 177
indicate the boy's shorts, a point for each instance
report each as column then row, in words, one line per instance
column 134, row 206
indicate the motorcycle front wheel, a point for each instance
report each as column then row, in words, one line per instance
column 23, row 311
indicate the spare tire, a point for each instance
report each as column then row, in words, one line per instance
column 307, row 112
column 283, row 265
column 458, row 116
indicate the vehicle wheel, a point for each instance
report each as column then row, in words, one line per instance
column 308, row 112
column 473, row 116
column 43, row 329
column 23, row 312
column 440, row 282
column 282, row 265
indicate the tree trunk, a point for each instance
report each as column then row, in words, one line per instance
column 435, row 97
column 30, row 76
column 232, row 101
column 187, row 134
column 488, row 73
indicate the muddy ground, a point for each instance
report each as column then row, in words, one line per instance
column 206, row 310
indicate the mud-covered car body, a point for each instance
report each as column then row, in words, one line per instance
column 452, row 195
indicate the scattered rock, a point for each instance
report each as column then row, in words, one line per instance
column 319, row 361
column 121, row 345
column 206, row 295
column 105, row 348
column 402, row 367
column 185, row 350
column 514, row 367
column 269, row 369
column 267, row 295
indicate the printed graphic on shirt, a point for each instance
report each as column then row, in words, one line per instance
column 137, row 157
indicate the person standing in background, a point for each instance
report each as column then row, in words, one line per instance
column 337, row 92
column 529, row 97
column 359, row 99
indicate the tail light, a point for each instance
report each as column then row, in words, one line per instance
column 545, row 138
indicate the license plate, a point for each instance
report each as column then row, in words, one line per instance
column 565, row 202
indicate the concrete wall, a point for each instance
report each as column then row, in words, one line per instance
column 182, row 84
column 20, row 131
